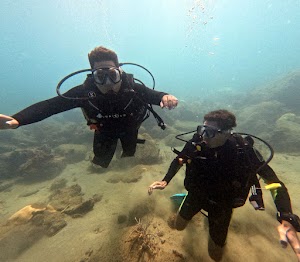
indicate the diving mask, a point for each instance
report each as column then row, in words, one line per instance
column 101, row 75
column 210, row 131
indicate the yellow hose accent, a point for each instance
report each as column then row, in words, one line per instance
column 273, row 186
column 273, row 189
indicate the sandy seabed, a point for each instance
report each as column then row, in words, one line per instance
column 100, row 235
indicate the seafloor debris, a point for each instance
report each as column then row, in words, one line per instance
column 144, row 240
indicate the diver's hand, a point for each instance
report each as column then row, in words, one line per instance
column 157, row 185
column 288, row 235
column 7, row 122
column 168, row 101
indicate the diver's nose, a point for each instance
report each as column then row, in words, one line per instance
column 107, row 81
column 204, row 134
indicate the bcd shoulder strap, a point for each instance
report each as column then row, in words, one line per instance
column 159, row 120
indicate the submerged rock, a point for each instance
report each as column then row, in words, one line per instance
column 72, row 153
column 133, row 175
column 26, row 227
column 69, row 200
column 80, row 209
column 32, row 164
column 58, row 184
column 66, row 197
column 286, row 134
column 147, row 153
column 285, row 90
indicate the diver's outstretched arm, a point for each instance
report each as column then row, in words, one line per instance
column 7, row 122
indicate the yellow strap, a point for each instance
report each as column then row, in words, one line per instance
column 273, row 186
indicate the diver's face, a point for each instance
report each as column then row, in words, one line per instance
column 107, row 85
column 219, row 138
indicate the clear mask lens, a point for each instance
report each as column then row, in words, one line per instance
column 102, row 74
column 208, row 131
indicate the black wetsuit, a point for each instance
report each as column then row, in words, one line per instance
column 214, row 178
column 116, row 116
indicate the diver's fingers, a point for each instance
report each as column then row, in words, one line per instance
column 5, row 117
column 170, row 104
column 288, row 235
column 293, row 239
column 12, row 123
column 151, row 187
column 7, row 122
column 175, row 102
column 164, row 101
column 3, row 121
column 150, row 190
column 172, row 101
column 157, row 185
column 168, row 101
column 282, row 236
column 153, row 184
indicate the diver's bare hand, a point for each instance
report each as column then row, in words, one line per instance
column 288, row 235
column 7, row 122
column 157, row 185
column 168, row 101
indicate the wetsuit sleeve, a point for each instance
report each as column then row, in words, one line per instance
column 47, row 108
column 149, row 95
column 280, row 195
column 176, row 164
column 173, row 169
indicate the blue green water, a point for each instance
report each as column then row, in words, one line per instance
column 192, row 47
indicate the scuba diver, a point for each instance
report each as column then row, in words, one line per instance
column 221, row 167
column 112, row 102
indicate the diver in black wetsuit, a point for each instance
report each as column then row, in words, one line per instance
column 219, row 175
column 113, row 104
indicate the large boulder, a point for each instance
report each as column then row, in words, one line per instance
column 285, row 90
column 72, row 153
column 31, row 163
column 285, row 137
column 259, row 119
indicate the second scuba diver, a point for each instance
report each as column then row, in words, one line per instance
column 113, row 104
column 219, row 174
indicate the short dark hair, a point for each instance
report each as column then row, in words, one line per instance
column 225, row 119
column 101, row 53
